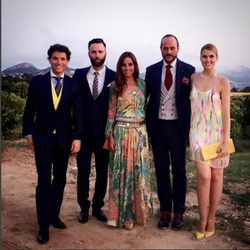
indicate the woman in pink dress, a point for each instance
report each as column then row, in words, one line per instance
column 210, row 122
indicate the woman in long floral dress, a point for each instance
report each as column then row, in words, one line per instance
column 130, row 199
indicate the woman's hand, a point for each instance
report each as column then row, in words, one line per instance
column 109, row 143
column 223, row 149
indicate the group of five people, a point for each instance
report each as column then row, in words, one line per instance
column 112, row 115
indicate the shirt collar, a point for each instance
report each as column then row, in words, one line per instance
column 101, row 71
column 52, row 74
column 173, row 64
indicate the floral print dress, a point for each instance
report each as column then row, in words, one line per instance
column 129, row 167
column 206, row 124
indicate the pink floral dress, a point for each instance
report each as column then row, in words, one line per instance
column 206, row 124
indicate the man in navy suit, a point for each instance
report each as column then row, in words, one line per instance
column 52, row 125
column 94, row 82
column 168, row 118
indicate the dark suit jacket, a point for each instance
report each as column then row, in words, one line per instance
column 153, row 85
column 95, row 112
column 40, row 118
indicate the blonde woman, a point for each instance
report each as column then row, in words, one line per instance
column 210, row 122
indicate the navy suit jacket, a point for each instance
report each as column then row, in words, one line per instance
column 95, row 112
column 40, row 119
column 153, row 86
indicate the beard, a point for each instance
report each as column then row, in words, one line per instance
column 169, row 58
column 97, row 62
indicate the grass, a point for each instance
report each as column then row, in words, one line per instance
column 239, row 166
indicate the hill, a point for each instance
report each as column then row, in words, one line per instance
column 239, row 77
column 29, row 68
column 21, row 68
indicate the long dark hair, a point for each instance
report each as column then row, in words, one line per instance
column 120, row 82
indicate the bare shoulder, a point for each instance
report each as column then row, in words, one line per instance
column 224, row 84
column 194, row 76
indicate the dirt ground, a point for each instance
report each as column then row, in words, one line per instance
column 19, row 226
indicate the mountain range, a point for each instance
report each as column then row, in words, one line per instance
column 29, row 68
column 239, row 77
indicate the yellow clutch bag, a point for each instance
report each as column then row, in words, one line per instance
column 209, row 152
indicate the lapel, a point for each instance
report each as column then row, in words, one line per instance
column 65, row 91
column 47, row 90
column 179, row 75
column 84, row 83
column 158, row 73
column 107, row 79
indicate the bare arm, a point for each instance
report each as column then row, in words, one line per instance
column 225, row 111
column 110, row 142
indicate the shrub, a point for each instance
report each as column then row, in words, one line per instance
column 20, row 88
column 12, row 111
column 237, row 116
column 246, row 111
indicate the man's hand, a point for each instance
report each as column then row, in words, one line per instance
column 29, row 140
column 76, row 145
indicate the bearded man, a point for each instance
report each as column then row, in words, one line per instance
column 94, row 87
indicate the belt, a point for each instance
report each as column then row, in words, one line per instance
column 129, row 124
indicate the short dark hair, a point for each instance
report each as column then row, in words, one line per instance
column 170, row 35
column 97, row 40
column 60, row 48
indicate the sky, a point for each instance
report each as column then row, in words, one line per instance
column 29, row 27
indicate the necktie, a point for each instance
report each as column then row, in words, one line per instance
column 58, row 85
column 168, row 77
column 95, row 86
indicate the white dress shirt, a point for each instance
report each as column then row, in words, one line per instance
column 101, row 78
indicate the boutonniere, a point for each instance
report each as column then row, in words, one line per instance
column 185, row 80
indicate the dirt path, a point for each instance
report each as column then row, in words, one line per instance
column 19, row 225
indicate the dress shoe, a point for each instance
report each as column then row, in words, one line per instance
column 199, row 235
column 83, row 216
column 164, row 220
column 177, row 223
column 128, row 224
column 209, row 234
column 43, row 236
column 99, row 215
column 58, row 224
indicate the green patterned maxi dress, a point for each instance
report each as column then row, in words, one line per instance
column 129, row 167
